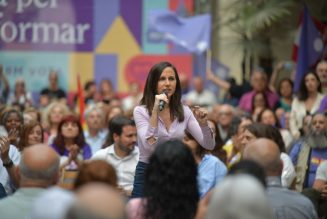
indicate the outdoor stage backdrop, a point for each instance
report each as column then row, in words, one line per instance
column 94, row 38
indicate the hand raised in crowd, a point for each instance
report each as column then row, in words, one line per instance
column 13, row 135
column 4, row 148
column 73, row 152
column 201, row 115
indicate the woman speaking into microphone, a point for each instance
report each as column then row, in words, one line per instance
column 161, row 116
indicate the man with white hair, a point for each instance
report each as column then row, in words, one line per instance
column 94, row 136
column 308, row 154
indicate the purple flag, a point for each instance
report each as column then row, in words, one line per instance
column 310, row 48
column 192, row 33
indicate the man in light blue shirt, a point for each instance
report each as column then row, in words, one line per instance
column 94, row 136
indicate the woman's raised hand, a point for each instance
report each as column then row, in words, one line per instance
column 201, row 115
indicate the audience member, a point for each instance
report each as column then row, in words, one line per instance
column 233, row 146
column 30, row 114
column 268, row 117
column 259, row 103
column 94, row 135
column 4, row 86
column 259, row 82
column 218, row 150
column 170, row 187
column 13, row 121
column 52, row 116
column 20, row 96
column 107, row 91
column 70, row 143
column 286, row 204
column 200, row 96
column 97, row 201
column 91, row 96
column 96, row 171
column 53, row 92
column 251, row 168
column 31, row 134
column 239, row 197
column 233, row 90
column 226, row 114
column 257, row 130
column 121, row 151
column 285, row 92
column 307, row 102
column 38, row 169
column 306, row 155
column 321, row 71
column 320, row 185
column 210, row 169
column 10, row 158
column 133, row 98
column 53, row 203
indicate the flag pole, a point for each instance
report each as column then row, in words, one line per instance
column 208, row 60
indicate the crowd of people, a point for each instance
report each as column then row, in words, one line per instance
column 169, row 151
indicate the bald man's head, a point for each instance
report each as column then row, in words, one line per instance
column 266, row 153
column 101, row 200
column 39, row 166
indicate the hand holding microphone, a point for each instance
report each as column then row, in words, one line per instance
column 163, row 99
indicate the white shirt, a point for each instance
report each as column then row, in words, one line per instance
column 95, row 142
column 288, row 174
column 4, row 177
column 299, row 112
column 322, row 171
column 205, row 98
column 125, row 167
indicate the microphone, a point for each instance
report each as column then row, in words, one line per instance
column 161, row 102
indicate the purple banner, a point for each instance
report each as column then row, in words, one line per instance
column 46, row 25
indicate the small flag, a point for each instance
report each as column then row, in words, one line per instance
column 192, row 33
column 81, row 100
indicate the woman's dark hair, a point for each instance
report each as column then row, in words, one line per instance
column 267, row 131
column 303, row 91
column 200, row 151
column 150, row 90
column 277, row 124
column 170, row 188
column 26, row 130
column 7, row 113
column 96, row 171
column 59, row 140
column 264, row 99
column 115, row 126
column 233, row 128
column 251, row 168
column 219, row 142
column 288, row 80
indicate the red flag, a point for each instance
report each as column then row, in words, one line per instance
column 81, row 101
